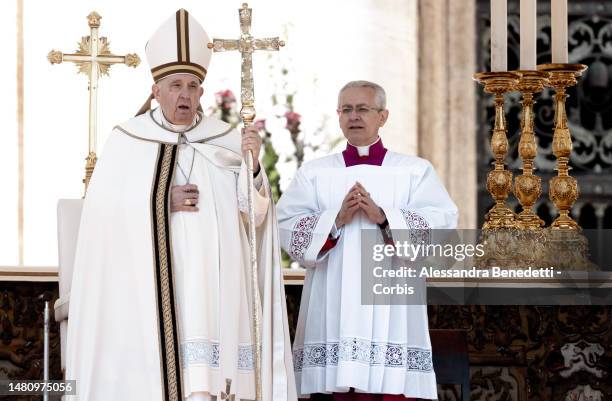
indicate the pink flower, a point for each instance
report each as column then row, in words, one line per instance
column 293, row 116
column 260, row 124
column 227, row 95
column 225, row 99
column 293, row 122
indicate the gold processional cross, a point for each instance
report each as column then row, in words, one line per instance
column 93, row 58
column 246, row 45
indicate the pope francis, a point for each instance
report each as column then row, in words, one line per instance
column 160, row 294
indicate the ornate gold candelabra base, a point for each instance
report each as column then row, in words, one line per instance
column 568, row 250
column 499, row 180
column 563, row 189
column 89, row 168
column 565, row 250
column 500, row 215
column 528, row 186
column 512, row 248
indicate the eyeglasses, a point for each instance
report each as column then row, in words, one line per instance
column 361, row 110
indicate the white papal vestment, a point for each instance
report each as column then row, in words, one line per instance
column 339, row 342
column 160, row 301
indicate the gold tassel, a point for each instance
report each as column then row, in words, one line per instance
column 146, row 106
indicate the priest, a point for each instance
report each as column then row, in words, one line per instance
column 160, row 301
column 343, row 347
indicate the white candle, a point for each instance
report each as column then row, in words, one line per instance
column 559, row 24
column 528, row 34
column 499, row 35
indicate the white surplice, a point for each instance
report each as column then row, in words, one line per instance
column 124, row 340
column 339, row 342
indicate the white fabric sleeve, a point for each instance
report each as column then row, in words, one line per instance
column 261, row 198
column 429, row 207
column 258, row 180
column 335, row 232
column 303, row 227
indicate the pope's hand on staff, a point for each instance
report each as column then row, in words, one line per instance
column 252, row 141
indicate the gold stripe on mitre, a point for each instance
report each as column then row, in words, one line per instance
column 182, row 35
column 164, row 70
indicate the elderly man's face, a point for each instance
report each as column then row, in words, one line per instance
column 178, row 96
column 359, row 115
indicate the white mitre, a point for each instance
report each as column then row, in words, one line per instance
column 180, row 45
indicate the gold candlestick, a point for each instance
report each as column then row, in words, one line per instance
column 528, row 186
column 563, row 190
column 499, row 180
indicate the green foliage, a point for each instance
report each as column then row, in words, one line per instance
column 269, row 160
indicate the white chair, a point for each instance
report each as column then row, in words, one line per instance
column 68, row 219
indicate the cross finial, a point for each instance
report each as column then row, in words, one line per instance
column 94, row 19
column 226, row 395
column 246, row 45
